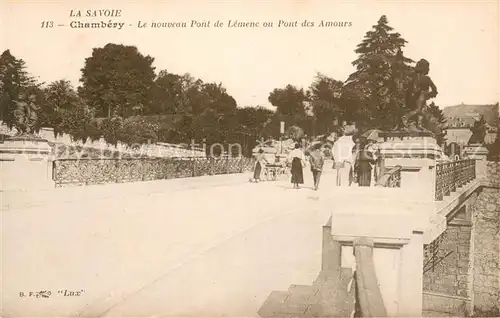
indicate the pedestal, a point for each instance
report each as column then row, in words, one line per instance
column 417, row 156
column 25, row 164
column 399, row 225
column 479, row 153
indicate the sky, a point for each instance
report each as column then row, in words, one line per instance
column 459, row 38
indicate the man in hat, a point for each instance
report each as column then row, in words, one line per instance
column 342, row 154
column 317, row 160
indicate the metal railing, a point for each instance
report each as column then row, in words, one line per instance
column 452, row 175
column 98, row 171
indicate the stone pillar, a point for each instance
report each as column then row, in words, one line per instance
column 411, row 280
column 417, row 157
column 479, row 153
column 331, row 250
column 368, row 292
column 26, row 164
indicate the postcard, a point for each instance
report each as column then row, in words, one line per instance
column 306, row 158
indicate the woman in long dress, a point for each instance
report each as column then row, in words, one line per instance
column 366, row 160
column 298, row 160
column 260, row 160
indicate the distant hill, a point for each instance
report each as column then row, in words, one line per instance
column 466, row 114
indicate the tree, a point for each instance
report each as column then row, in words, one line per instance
column 215, row 97
column 136, row 131
column 167, row 94
column 436, row 122
column 111, row 128
column 192, row 97
column 59, row 96
column 289, row 101
column 254, row 120
column 117, row 78
column 14, row 79
column 325, row 97
column 290, row 104
column 377, row 87
column 79, row 122
column 295, row 132
column 214, row 112
column 206, row 127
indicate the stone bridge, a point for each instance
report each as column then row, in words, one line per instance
column 424, row 242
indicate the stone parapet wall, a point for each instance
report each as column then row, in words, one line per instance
column 493, row 174
column 462, row 266
column 447, row 262
column 486, row 222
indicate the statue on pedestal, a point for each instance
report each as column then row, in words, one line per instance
column 421, row 89
column 25, row 115
column 479, row 131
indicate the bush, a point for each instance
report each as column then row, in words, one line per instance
column 111, row 128
column 138, row 131
column 93, row 131
column 76, row 122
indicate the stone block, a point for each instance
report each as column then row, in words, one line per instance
column 463, row 263
column 462, row 278
column 463, row 249
column 466, row 235
column 462, row 292
column 25, row 165
column 464, row 256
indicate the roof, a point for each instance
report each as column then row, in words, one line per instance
column 466, row 114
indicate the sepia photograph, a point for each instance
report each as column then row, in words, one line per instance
column 267, row 159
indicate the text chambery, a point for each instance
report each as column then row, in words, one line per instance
column 110, row 24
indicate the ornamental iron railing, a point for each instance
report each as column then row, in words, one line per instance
column 99, row 171
column 452, row 175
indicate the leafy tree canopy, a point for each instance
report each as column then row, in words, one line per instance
column 14, row 79
column 376, row 88
column 289, row 100
column 117, row 78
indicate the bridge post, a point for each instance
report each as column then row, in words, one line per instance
column 417, row 157
column 25, row 164
column 411, row 279
column 479, row 153
column 399, row 223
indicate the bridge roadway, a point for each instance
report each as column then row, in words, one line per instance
column 207, row 246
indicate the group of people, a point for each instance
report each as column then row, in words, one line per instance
column 297, row 161
column 354, row 161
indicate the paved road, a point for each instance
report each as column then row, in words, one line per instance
column 209, row 246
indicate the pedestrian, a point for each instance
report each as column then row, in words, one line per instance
column 260, row 161
column 356, row 150
column 317, row 160
column 298, row 161
column 365, row 161
column 342, row 153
